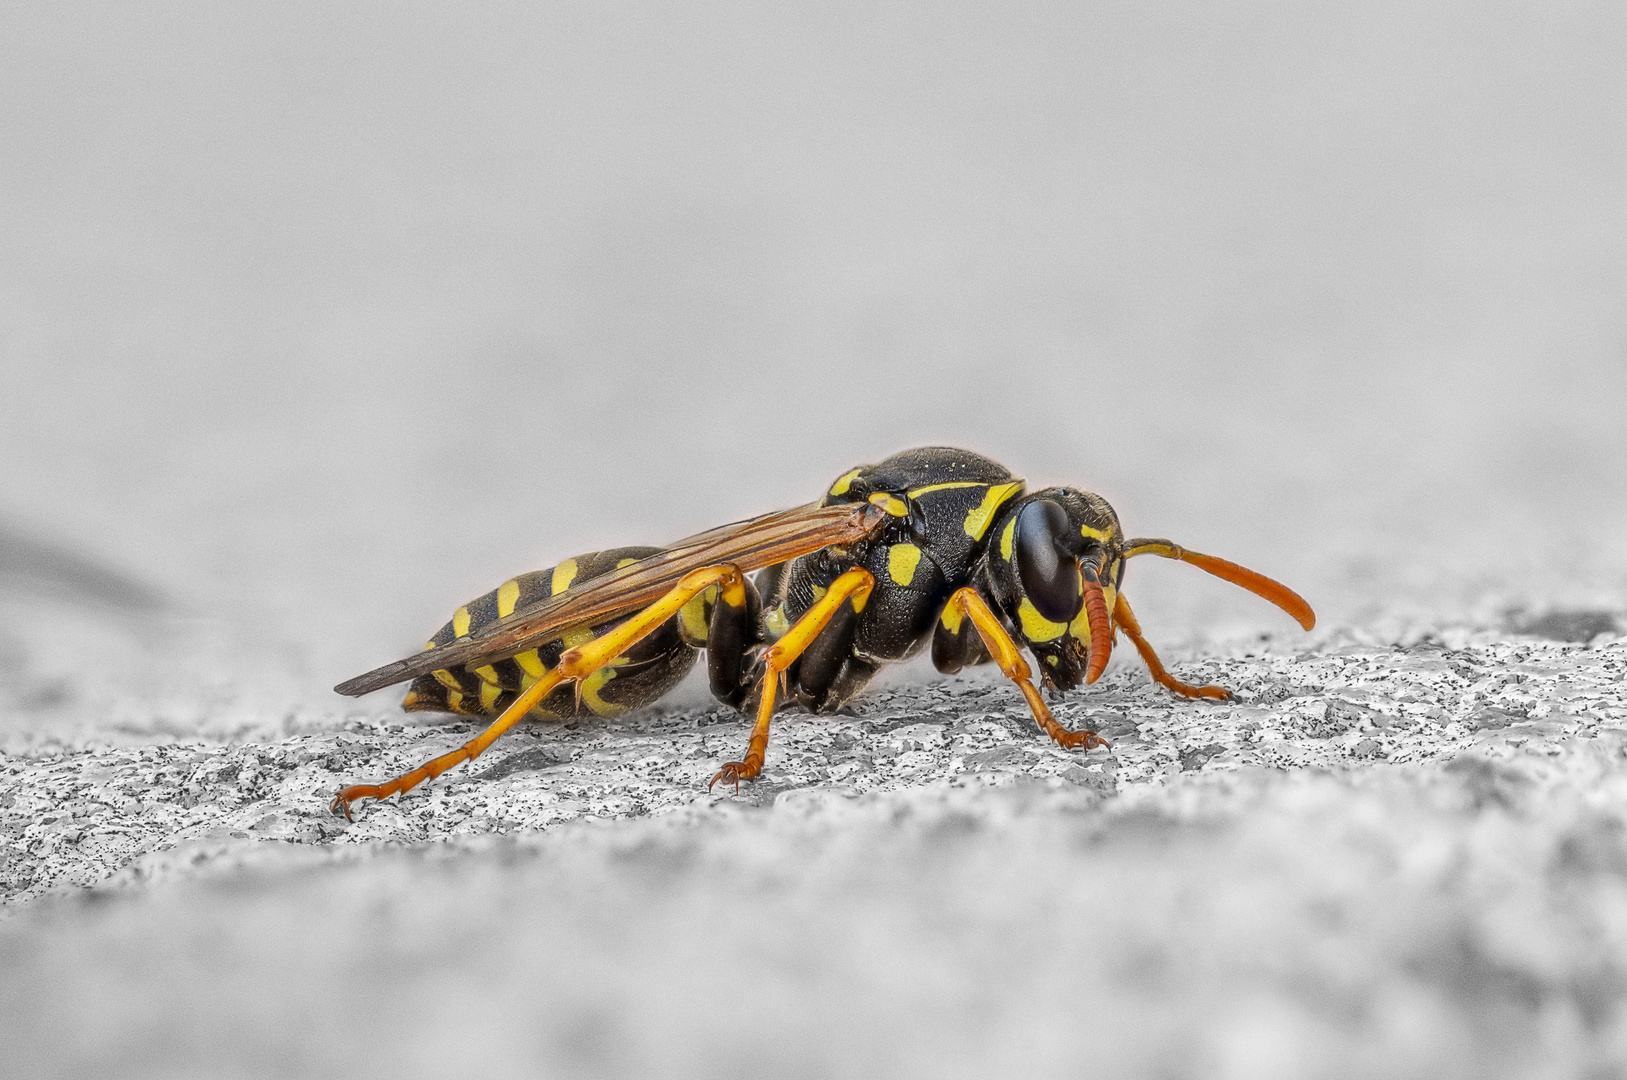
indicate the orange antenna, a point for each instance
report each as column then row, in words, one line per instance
column 1101, row 630
column 1258, row 584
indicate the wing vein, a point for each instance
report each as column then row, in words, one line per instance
column 750, row 545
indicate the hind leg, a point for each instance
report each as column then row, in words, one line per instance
column 575, row 665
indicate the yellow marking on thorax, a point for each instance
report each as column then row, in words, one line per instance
column 1037, row 627
column 508, row 594
column 625, row 562
column 819, row 592
column 1093, row 533
column 581, row 635
column 460, row 622
column 592, row 685
column 845, row 481
column 891, row 503
column 1006, row 536
column 902, row 559
column 951, row 618
column 916, row 493
column 777, row 623
column 980, row 516
column 564, row 574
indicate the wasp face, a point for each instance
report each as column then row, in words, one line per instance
column 1055, row 567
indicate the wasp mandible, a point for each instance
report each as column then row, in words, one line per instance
column 933, row 544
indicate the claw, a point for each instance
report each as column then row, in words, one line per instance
column 732, row 773
column 341, row 802
column 1089, row 740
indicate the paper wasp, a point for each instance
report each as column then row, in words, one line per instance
column 932, row 544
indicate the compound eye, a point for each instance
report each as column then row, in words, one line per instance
column 1049, row 574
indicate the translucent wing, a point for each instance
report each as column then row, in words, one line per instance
column 749, row 545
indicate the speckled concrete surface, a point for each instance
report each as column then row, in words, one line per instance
column 76, row 817
column 1384, row 858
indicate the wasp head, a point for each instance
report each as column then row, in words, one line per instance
column 1054, row 567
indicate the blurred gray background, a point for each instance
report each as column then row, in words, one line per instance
column 317, row 320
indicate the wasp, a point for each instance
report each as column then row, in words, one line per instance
column 805, row 605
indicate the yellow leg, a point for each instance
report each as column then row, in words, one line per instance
column 856, row 583
column 1005, row 653
column 1132, row 629
column 577, row 663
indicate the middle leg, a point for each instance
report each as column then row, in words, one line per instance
column 855, row 585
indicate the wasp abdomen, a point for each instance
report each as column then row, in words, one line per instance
column 644, row 673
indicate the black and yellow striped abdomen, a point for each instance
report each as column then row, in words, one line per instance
column 640, row 676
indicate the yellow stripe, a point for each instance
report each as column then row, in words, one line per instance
column 778, row 624
column 489, row 693
column 460, row 622
column 1037, row 627
column 979, row 517
column 1006, row 535
column 580, row 636
column 625, row 562
column 693, row 615
column 488, row 674
column 845, row 481
column 951, row 618
column 564, row 574
column 532, row 665
column 916, row 493
column 891, row 503
column 508, row 594
column 590, row 693
column 448, row 680
column 902, row 559
column 1093, row 534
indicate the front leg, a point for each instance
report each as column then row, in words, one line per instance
column 1132, row 630
column 967, row 603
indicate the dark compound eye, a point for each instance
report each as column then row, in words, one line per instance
column 1049, row 573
